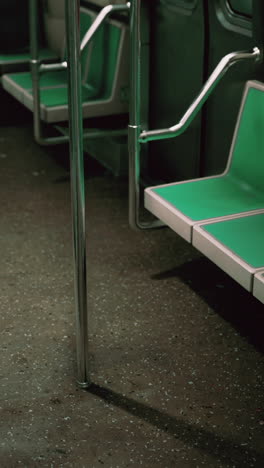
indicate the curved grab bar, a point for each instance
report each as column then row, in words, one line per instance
column 220, row 70
column 104, row 13
column 100, row 18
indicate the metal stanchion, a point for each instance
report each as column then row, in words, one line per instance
column 134, row 127
column 77, row 187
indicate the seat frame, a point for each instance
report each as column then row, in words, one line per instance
column 258, row 286
column 224, row 257
column 175, row 218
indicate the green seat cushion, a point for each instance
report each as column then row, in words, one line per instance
column 241, row 188
column 211, row 198
column 243, row 236
column 47, row 80
column 53, row 87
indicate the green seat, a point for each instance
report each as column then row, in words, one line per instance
column 103, row 77
column 238, row 190
column 235, row 245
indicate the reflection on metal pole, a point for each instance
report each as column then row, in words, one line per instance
column 35, row 63
column 134, row 127
column 77, row 186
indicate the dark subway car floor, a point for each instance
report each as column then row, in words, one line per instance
column 176, row 345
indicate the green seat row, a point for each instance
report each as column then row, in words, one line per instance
column 223, row 215
column 104, row 76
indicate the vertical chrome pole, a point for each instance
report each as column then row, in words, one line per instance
column 77, row 187
column 134, row 127
column 35, row 63
column 134, row 113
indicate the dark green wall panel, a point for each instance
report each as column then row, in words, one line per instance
column 225, row 34
column 176, row 75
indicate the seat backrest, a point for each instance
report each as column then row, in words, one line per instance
column 246, row 162
column 86, row 19
column 54, row 25
column 99, row 61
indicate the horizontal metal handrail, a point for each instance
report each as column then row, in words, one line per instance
column 45, row 67
column 220, row 70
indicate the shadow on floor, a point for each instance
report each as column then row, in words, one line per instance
column 192, row 435
column 226, row 297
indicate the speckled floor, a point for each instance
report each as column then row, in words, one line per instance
column 176, row 346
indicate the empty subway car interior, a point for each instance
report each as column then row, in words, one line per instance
column 132, row 209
